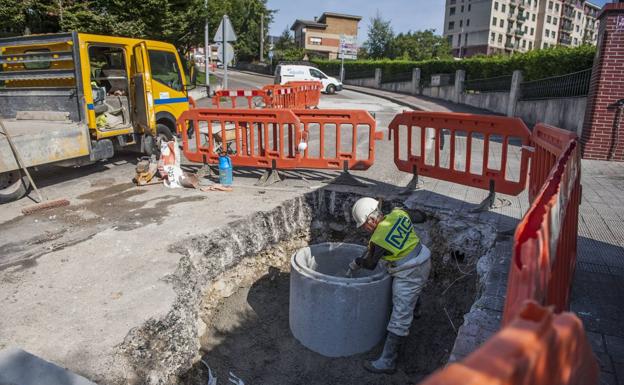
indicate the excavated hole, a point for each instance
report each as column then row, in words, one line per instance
column 245, row 310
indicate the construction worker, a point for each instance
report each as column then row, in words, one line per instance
column 395, row 244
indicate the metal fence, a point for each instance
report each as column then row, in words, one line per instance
column 397, row 77
column 569, row 85
column 359, row 74
column 495, row 84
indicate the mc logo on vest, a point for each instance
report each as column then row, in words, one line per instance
column 399, row 234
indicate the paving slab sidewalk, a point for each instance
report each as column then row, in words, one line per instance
column 598, row 287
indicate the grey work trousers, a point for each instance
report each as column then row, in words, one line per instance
column 407, row 283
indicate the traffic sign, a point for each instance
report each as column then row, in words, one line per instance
column 229, row 53
column 348, row 47
column 225, row 32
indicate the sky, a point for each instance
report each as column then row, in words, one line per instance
column 404, row 15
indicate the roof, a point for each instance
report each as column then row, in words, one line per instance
column 338, row 15
column 308, row 23
column 592, row 5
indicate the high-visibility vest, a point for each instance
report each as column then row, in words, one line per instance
column 395, row 233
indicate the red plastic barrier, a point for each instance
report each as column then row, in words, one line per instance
column 270, row 138
column 544, row 253
column 352, row 129
column 282, row 97
column 234, row 94
column 420, row 146
column 256, row 138
column 536, row 348
column 309, row 91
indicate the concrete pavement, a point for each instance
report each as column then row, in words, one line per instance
column 78, row 285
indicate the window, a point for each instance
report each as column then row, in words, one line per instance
column 451, row 25
column 501, row 23
column 469, row 7
column 462, row 9
column 550, row 5
column 547, row 33
column 553, row 34
column 165, row 69
column 317, row 74
column 467, row 22
column 450, row 40
column 575, row 41
column 554, row 21
column 316, row 40
column 556, row 7
column 548, row 19
column 451, row 11
column 532, row 31
column 533, row 17
column 523, row 43
column 577, row 28
column 500, row 39
column 108, row 68
column 494, row 21
column 530, row 45
column 461, row 23
column 503, row 7
column 496, row 5
column 578, row 15
column 545, row 45
column 492, row 36
column 526, row 29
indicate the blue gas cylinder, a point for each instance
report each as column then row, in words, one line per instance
column 225, row 170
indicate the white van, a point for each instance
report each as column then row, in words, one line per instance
column 285, row 73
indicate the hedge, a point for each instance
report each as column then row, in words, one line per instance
column 535, row 64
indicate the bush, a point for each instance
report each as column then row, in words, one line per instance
column 535, row 64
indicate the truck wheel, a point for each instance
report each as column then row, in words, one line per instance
column 163, row 132
column 13, row 186
column 331, row 89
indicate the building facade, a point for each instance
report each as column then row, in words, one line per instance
column 508, row 26
column 321, row 36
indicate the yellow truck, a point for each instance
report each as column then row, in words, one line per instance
column 75, row 98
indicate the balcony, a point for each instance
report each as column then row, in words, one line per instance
column 521, row 18
column 566, row 41
column 519, row 32
column 567, row 27
column 510, row 45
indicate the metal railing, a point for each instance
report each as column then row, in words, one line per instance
column 396, row 77
column 494, row 84
column 569, row 85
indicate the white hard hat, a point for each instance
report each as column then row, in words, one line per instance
column 362, row 209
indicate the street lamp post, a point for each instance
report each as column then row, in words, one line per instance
column 207, row 51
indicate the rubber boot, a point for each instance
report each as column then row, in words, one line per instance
column 386, row 363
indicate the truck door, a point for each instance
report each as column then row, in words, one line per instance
column 143, row 112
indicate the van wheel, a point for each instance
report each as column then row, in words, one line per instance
column 163, row 132
column 331, row 89
column 13, row 186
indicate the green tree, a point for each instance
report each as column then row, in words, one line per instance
column 286, row 49
column 420, row 45
column 180, row 22
column 380, row 36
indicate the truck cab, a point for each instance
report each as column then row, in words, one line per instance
column 74, row 98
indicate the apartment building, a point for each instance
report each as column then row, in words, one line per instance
column 321, row 36
column 507, row 26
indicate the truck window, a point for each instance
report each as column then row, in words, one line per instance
column 165, row 69
column 316, row 73
column 108, row 69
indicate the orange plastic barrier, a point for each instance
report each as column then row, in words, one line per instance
column 257, row 138
column 282, row 97
column 537, row 348
column 232, row 95
column 271, row 138
column 544, row 252
column 476, row 154
column 308, row 91
column 354, row 144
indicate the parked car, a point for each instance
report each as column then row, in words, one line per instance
column 285, row 73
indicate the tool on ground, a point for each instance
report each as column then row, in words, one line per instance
column 145, row 169
column 43, row 204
